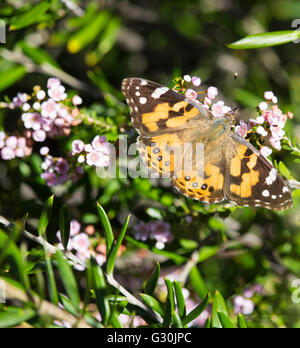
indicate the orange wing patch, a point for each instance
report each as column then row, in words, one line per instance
column 250, row 178
column 208, row 189
column 166, row 116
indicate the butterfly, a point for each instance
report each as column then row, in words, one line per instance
column 233, row 169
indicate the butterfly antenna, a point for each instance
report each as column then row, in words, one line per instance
column 234, row 85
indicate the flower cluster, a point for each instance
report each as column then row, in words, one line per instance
column 47, row 113
column 97, row 154
column 55, row 170
column 157, row 230
column 13, row 147
column 80, row 243
column 269, row 125
column 244, row 304
column 190, row 87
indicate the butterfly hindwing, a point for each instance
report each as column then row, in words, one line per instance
column 251, row 180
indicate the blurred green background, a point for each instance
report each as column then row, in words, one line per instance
column 91, row 46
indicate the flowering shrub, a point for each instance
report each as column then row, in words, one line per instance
column 126, row 250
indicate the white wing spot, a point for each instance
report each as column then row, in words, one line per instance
column 272, row 176
column 137, row 94
column 274, row 196
column 143, row 100
column 144, row 83
column 159, row 92
column 266, row 193
column 285, row 189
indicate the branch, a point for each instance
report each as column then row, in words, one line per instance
column 77, row 261
column 43, row 307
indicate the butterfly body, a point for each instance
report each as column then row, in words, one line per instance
column 168, row 124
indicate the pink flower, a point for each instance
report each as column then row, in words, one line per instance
column 263, row 106
column 275, row 143
column 61, row 166
column 39, row 136
column 44, row 151
column 57, row 93
column 77, row 146
column 20, row 99
column 76, row 100
column 50, row 178
column 7, row 153
column 49, row 109
column 98, row 142
column 196, row 81
column 187, row 78
column 260, row 120
column 242, row 305
column 277, row 132
column 219, row 109
column 53, row 82
column 93, row 158
column 81, row 242
column 32, row 120
column 142, row 231
column 41, row 95
column 160, row 231
column 242, row 129
column 191, row 94
column 100, row 258
column 21, row 142
column 212, row 92
column 260, row 130
column 74, row 228
column 266, row 151
column 268, row 95
column 26, row 107
column 11, row 142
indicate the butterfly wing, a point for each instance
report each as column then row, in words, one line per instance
column 164, row 119
column 251, row 180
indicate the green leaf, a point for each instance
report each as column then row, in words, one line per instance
column 207, row 324
column 265, row 39
column 107, row 41
column 225, row 321
column 196, row 311
column 241, row 322
column 11, row 76
column 198, row 282
column 15, row 316
column 207, row 251
column 68, row 279
column 179, row 299
column 64, row 226
column 177, row 323
column 9, row 251
column 112, row 256
column 219, row 305
column 30, row 17
column 45, row 216
column 284, row 170
column 89, row 33
column 152, row 281
column 107, row 228
column 37, row 54
column 170, row 304
column 99, row 286
column 153, row 304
